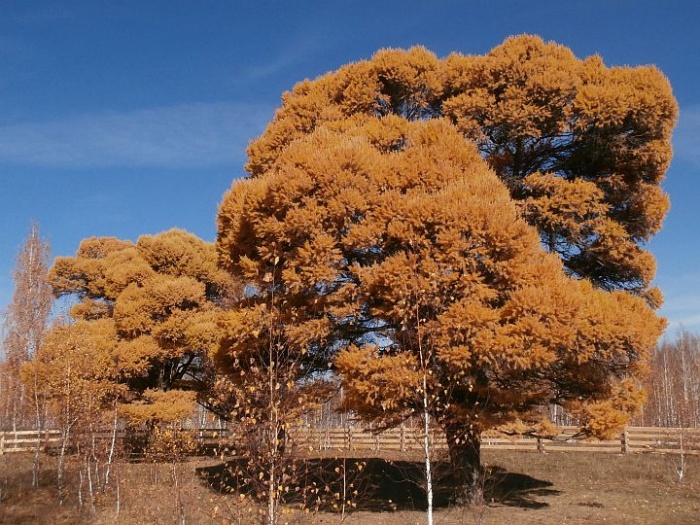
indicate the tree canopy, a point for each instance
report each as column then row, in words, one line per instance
column 152, row 306
column 479, row 216
column 581, row 147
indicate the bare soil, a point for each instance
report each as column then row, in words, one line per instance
column 524, row 488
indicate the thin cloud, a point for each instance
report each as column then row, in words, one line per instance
column 687, row 135
column 690, row 322
column 191, row 135
column 682, row 301
column 293, row 54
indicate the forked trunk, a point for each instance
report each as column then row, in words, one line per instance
column 464, row 444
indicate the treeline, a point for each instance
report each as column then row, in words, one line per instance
column 673, row 385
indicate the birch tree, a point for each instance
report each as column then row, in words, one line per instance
column 24, row 327
column 673, row 384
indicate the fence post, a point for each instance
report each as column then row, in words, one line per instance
column 2, row 443
column 540, row 445
column 624, row 441
column 403, row 438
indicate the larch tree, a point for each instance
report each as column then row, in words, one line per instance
column 479, row 217
column 157, row 302
column 400, row 259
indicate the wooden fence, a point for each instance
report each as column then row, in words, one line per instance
column 405, row 439
column 27, row 440
column 633, row 439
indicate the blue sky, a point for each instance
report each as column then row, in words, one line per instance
column 125, row 118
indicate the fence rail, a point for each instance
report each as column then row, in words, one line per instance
column 633, row 439
column 406, row 439
column 28, row 440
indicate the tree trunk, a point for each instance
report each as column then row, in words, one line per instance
column 281, row 441
column 464, row 444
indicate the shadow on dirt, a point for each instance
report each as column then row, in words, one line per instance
column 371, row 484
column 516, row 490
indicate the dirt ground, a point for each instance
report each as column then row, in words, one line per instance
column 523, row 488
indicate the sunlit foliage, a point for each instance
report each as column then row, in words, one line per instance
column 485, row 211
column 155, row 305
column 581, row 147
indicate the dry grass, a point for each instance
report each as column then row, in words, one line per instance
column 524, row 488
column 21, row 504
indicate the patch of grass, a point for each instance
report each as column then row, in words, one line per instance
column 22, row 504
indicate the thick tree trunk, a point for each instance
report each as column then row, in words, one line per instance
column 464, row 444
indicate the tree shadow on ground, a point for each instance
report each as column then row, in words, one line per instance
column 516, row 490
column 371, row 484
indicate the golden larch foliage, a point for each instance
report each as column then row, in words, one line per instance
column 160, row 299
column 383, row 253
column 460, row 235
column 554, row 128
